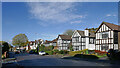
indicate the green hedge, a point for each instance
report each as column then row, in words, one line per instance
column 63, row 52
column 49, row 52
column 56, row 51
column 86, row 56
column 72, row 53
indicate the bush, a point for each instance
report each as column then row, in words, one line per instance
column 86, row 56
column 5, row 47
column 32, row 50
column 63, row 52
column 56, row 51
column 72, row 53
column 49, row 52
column 100, row 52
column 42, row 48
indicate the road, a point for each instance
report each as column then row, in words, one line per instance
column 37, row 60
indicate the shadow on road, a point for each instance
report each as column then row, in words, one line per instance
column 103, row 61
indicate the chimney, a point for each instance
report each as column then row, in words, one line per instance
column 86, row 32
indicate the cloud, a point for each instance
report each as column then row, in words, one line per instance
column 48, row 36
column 109, row 15
column 53, row 12
column 45, row 36
column 73, row 22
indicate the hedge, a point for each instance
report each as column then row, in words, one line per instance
column 86, row 56
column 49, row 52
column 72, row 53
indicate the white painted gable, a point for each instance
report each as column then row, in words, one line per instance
column 103, row 28
column 75, row 34
column 59, row 37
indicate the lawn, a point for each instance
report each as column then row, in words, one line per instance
column 86, row 53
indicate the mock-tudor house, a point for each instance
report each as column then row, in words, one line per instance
column 107, row 36
column 63, row 42
column 83, row 40
column 34, row 44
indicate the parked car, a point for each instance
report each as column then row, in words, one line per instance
column 113, row 54
column 31, row 52
column 42, row 53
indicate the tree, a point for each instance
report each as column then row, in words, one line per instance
column 68, row 32
column 42, row 48
column 71, row 48
column 51, row 47
column 20, row 40
column 5, row 47
column 92, row 29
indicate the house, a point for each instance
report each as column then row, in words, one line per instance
column 83, row 40
column 53, row 42
column 31, row 45
column 47, row 43
column 107, row 37
column 63, row 42
column 34, row 44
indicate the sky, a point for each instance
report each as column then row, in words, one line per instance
column 46, row 20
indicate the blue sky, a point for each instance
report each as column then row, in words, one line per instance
column 47, row 20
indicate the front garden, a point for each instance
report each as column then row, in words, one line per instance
column 88, row 54
column 81, row 54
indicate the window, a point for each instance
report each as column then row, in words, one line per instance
column 77, row 39
column 77, row 48
column 91, row 41
column 115, row 37
column 104, row 35
column 104, row 47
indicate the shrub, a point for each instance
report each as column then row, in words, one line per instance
column 63, row 52
column 86, row 56
column 72, row 53
column 56, row 51
column 100, row 52
column 49, row 52
column 42, row 48
column 32, row 50
column 5, row 47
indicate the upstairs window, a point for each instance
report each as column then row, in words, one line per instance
column 105, row 35
column 91, row 40
column 115, row 37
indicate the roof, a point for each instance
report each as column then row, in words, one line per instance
column 47, row 42
column 92, row 34
column 82, row 33
column 55, row 40
column 32, row 42
column 110, row 25
column 66, row 37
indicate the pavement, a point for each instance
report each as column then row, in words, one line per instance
column 24, row 60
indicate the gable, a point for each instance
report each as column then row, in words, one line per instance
column 59, row 37
column 103, row 27
column 75, row 34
